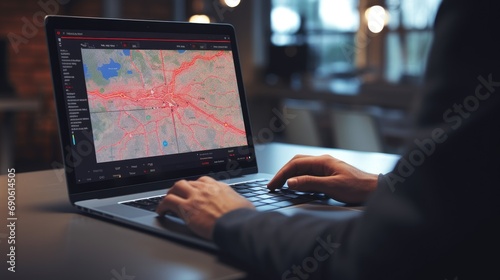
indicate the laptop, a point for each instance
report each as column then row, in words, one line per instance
column 142, row 104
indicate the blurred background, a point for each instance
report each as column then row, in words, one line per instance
column 348, row 70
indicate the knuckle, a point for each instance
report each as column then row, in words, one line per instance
column 297, row 156
column 205, row 179
column 180, row 183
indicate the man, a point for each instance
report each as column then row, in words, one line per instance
column 435, row 216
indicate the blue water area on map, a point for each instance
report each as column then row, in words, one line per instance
column 126, row 52
column 165, row 143
column 110, row 69
column 86, row 71
column 129, row 72
column 181, row 51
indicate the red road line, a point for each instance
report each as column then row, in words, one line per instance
column 163, row 67
column 175, row 130
column 137, row 69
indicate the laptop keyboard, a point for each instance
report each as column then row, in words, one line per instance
column 264, row 200
column 255, row 191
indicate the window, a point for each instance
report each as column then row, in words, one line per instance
column 408, row 39
column 326, row 26
column 329, row 29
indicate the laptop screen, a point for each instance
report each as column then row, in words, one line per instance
column 149, row 104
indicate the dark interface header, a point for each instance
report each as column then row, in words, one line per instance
column 135, row 40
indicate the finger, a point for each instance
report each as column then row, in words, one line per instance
column 308, row 183
column 200, row 185
column 300, row 156
column 182, row 189
column 171, row 202
column 280, row 177
column 209, row 182
column 211, row 187
column 299, row 165
column 206, row 179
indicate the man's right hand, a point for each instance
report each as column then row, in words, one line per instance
column 328, row 175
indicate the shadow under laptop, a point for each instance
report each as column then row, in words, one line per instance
column 55, row 207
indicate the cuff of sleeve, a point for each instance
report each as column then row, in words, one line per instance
column 382, row 183
column 226, row 225
column 379, row 180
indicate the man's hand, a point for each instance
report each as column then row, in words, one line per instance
column 328, row 175
column 200, row 203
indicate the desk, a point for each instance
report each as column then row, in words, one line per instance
column 53, row 241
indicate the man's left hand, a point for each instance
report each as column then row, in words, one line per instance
column 200, row 203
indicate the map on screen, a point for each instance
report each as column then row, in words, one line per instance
column 146, row 103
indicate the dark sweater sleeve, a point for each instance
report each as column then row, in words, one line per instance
column 309, row 245
column 436, row 215
column 283, row 243
column 313, row 231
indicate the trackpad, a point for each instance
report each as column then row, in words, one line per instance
column 124, row 211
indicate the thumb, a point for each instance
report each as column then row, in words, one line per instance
column 308, row 183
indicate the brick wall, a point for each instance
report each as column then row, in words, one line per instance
column 37, row 144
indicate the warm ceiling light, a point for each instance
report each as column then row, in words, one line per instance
column 377, row 18
column 231, row 3
column 199, row 19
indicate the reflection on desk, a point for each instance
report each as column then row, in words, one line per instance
column 271, row 157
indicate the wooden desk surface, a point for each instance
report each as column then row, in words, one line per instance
column 54, row 241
